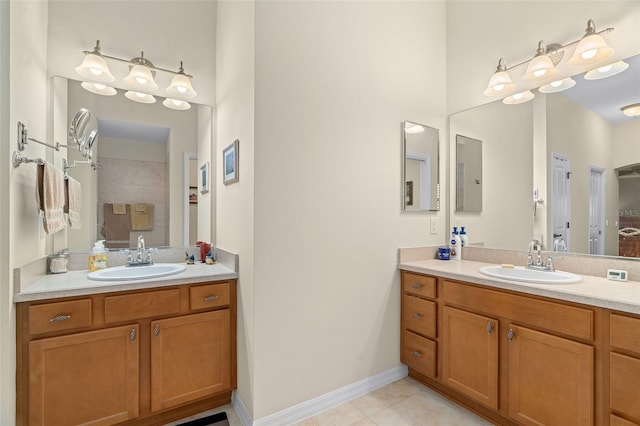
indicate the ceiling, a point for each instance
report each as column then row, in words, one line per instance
column 606, row 96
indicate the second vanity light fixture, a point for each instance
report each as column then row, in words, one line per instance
column 140, row 79
column 590, row 50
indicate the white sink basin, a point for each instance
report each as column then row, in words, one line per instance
column 122, row 273
column 520, row 273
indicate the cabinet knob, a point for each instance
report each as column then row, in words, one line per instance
column 210, row 298
column 417, row 316
column 417, row 285
column 417, row 354
column 511, row 334
column 489, row 327
column 132, row 335
column 156, row 330
column 60, row 318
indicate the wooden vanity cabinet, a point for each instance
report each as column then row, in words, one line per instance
column 513, row 358
column 137, row 358
column 624, row 368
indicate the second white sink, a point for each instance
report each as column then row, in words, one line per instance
column 123, row 273
column 520, row 273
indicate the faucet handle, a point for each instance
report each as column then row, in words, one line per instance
column 549, row 264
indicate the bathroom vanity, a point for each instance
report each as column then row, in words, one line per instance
column 136, row 353
column 519, row 353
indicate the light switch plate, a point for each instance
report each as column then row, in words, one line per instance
column 434, row 225
column 616, row 275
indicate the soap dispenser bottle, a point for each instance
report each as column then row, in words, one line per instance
column 98, row 256
column 464, row 239
column 456, row 245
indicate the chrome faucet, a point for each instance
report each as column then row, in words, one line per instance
column 143, row 257
column 536, row 246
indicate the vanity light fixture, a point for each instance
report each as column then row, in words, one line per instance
column 413, row 128
column 590, row 49
column 558, row 85
column 632, row 110
column 141, row 79
column 540, row 67
column 519, row 98
column 606, row 71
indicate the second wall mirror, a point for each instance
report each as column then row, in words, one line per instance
column 420, row 171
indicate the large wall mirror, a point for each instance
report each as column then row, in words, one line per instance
column 145, row 155
column 420, row 171
column 563, row 168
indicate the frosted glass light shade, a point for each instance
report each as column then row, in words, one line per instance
column 590, row 50
column 181, row 87
column 540, row 68
column 143, row 98
column 606, row 71
column 413, row 128
column 499, row 84
column 518, row 98
column 631, row 110
column 95, row 68
column 140, row 78
column 176, row 104
column 98, row 88
column 558, row 86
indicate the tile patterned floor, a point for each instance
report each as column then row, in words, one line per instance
column 402, row 403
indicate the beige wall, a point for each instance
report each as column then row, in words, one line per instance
column 235, row 45
column 626, row 144
column 333, row 81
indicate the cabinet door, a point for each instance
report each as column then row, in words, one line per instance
column 625, row 385
column 84, row 378
column 550, row 379
column 190, row 358
column 470, row 355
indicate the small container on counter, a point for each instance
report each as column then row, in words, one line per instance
column 444, row 253
column 58, row 263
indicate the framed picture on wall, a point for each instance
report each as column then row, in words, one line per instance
column 204, row 178
column 193, row 195
column 230, row 163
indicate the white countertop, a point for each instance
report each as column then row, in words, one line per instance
column 594, row 291
column 76, row 283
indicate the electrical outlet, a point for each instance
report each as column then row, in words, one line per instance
column 434, row 225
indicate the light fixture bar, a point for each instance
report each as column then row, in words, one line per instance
column 134, row 62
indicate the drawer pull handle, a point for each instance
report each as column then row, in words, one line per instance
column 211, row 298
column 417, row 316
column 417, row 285
column 60, row 318
column 511, row 334
column 489, row 327
column 156, row 330
column 132, row 335
column 417, row 354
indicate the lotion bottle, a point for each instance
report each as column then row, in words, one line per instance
column 98, row 256
column 463, row 237
column 456, row 245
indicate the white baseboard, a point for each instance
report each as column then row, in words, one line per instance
column 321, row 403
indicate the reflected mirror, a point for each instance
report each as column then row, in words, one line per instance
column 143, row 159
column 468, row 174
column 421, row 188
column 563, row 168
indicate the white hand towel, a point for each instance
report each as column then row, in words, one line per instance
column 50, row 196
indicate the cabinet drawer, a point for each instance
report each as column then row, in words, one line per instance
column 59, row 316
column 419, row 315
column 625, row 332
column 209, row 296
column 625, row 392
column 419, row 353
column 141, row 305
column 619, row 421
column 563, row 319
column 417, row 284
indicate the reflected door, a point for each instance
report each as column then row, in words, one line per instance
column 560, row 200
column 596, row 211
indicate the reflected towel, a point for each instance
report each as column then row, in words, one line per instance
column 73, row 202
column 119, row 208
column 50, row 196
column 142, row 217
column 116, row 227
